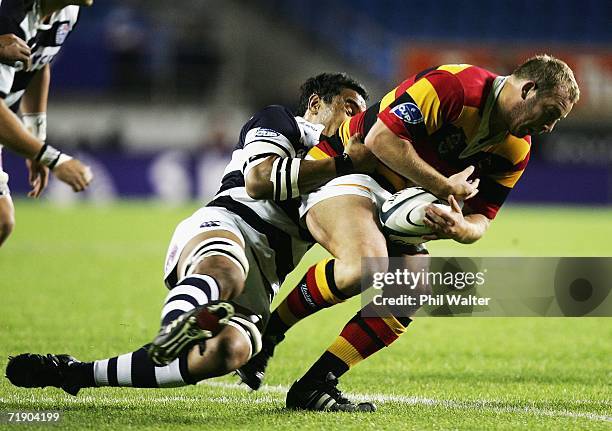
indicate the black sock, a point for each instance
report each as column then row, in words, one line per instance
column 327, row 363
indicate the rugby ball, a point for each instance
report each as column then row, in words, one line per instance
column 402, row 215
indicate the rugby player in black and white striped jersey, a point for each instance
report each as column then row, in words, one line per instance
column 225, row 262
column 24, row 87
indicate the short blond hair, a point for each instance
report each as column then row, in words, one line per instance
column 550, row 74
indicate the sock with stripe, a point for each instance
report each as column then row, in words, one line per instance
column 360, row 338
column 190, row 292
column 135, row 369
column 316, row 291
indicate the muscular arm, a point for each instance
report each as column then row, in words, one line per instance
column 312, row 174
column 35, row 98
column 452, row 224
column 12, row 132
column 14, row 136
column 475, row 228
column 399, row 155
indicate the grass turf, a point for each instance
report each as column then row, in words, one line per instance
column 86, row 280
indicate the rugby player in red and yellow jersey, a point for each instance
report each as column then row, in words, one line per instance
column 459, row 131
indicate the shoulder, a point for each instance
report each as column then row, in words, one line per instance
column 445, row 87
column 475, row 83
column 275, row 119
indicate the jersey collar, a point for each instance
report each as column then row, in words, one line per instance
column 483, row 139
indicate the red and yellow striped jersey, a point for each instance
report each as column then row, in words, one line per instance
column 444, row 112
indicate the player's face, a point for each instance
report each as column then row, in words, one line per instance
column 341, row 108
column 538, row 113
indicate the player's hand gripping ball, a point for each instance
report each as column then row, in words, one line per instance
column 402, row 215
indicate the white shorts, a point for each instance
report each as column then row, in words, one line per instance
column 354, row 184
column 261, row 277
column 359, row 185
column 4, row 188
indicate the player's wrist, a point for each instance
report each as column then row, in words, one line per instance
column 447, row 188
column 51, row 157
column 466, row 233
column 344, row 165
column 36, row 124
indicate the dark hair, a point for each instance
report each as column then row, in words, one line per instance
column 326, row 86
column 549, row 74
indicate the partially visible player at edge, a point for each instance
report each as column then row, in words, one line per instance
column 226, row 262
column 448, row 121
column 24, row 87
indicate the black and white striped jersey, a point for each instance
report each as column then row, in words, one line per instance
column 272, row 131
column 23, row 18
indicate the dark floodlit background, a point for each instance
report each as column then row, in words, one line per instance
column 153, row 93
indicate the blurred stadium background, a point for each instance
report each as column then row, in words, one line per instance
column 153, row 94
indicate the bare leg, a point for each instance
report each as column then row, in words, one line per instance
column 347, row 227
column 7, row 217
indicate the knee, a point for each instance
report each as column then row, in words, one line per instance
column 233, row 352
column 348, row 275
column 350, row 270
column 225, row 272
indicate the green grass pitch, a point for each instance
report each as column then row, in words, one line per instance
column 86, row 280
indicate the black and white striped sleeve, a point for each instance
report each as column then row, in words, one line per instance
column 273, row 132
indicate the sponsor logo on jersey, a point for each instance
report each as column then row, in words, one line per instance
column 211, row 224
column 62, row 32
column 408, row 112
column 266, row 133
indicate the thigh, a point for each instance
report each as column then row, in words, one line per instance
column 210, row 223
column 205, row 224
column 347, row 226
column 257, row 294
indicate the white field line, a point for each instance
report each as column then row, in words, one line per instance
column 490, row 405
column 269, row 394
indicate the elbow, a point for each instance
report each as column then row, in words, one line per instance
column 257, row 181
column 256, row 190
column 257, row 185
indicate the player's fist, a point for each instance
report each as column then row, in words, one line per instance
column 361, row 156
column 13, row 49
column 460, row 187
column 74, row 173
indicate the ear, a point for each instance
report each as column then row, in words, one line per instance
column 314, row 102
column 526, row 88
